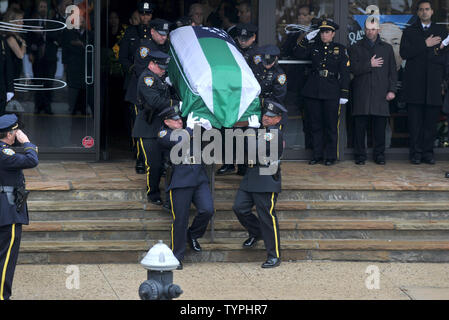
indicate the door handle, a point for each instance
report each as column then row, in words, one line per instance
column 89, row 77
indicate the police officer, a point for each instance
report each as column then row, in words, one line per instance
column 153, row 96
column 187, row 183
column 246, row 41
column 327, row 88
column 259, row 189
column 128, row 48
column 13, row 207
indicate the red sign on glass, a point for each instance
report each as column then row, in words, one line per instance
column 88, row 142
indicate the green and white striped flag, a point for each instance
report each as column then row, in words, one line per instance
column 212, row 77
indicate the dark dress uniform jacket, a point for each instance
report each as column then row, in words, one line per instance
column 154, row 94
column 273, row 83
column 184, row 175
column 371, row 85
column 11, row 175
column 131, row 92
column 424, row 69
column 253, row 181
column 128, row 47
column 332, row 57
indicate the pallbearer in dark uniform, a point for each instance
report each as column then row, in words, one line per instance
column 327, row 88
column 132, row 40
column 13, row 207
column 262, row 190
column 187, row 183
column 421, row 46
column 153, row 96
column 246, row 41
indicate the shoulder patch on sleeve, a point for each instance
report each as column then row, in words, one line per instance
column 162, row 133
column 282, row 79
column 144, row 52
column 257, row 59
column 149, row 81
column 8, row 152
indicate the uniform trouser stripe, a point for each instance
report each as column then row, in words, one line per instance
column 173, row 224
column 146, row 166
column 5, row 266
column 274, row 226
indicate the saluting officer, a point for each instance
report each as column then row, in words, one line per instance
column 132, row 40
column 187, row 183
column 327, row 88
column 262, row 190
column 13, row 207
column 153, row 96
column 246, row 41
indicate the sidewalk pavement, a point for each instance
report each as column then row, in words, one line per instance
column 240, row 281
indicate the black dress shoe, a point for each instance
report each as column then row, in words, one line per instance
column 429, row 161
column 167, row 206
column 157, row 202
column 315, row 161
column 447, row 175
column 180, row 266
column 226, row 169
column 415, row 161
column 140, row 168
column 329, row 162
column 194, row 244
column 271, row 263
column 360, row 162
column 250, row 242
column 380, row 161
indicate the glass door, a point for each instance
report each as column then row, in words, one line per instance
column 54, row 79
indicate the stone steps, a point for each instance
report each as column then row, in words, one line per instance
column 230, row 250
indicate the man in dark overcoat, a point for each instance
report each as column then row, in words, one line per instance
column 374, row 68
column 422, row 47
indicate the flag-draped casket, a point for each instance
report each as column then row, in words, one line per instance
column 212, row 77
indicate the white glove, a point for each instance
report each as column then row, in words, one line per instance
column 343, row 101
column 168, row 81
column 9, row 96
column 446, row 41
column 253, row 122
column 180, row 105
column 192, row 121
column 312, row 34
column 205, row 124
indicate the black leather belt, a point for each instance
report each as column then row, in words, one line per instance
column 325, row 73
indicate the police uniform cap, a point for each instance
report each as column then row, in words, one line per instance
column 8, row 122
column 245, row 30
column 145, row 7
column 272, row 108
column 269, row 53
column 161, row 58
column 170, row 113
column 327, row 25
column 161, row 26
column 183, row 21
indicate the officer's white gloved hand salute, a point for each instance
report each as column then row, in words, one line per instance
column 192, row 121
column 312, row 34
column 253, row 122
column 343, row 101
column 446, row 41
column 9, row 96
column 205, row 124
